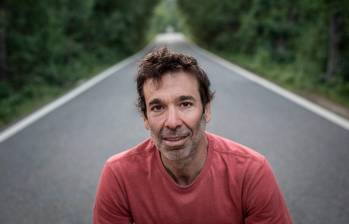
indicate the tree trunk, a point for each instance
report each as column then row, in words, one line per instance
column 333, row 44
column 3, row 63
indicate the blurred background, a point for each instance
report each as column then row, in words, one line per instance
column 49, row 171
column 48, row 47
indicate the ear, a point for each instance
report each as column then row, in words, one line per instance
column 146, row 122
column 207, row 113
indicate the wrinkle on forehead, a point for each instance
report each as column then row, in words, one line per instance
column 171, row 86
column 157, row 82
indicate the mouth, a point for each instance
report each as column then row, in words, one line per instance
column 173, row 141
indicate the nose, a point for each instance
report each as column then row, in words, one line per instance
column 173, row 120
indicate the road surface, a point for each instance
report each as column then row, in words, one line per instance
column 49, row 170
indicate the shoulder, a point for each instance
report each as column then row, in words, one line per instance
column 230, row 150
column 243, row 164
column 251, row 174
column 131, row 158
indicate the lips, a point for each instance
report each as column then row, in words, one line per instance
column 173, row 141
column 174, row 138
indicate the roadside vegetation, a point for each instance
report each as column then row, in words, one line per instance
column 48, row 47
column 166, row 18
column 300, row 44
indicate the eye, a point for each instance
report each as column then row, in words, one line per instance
column 186, row 104
column 156, row 108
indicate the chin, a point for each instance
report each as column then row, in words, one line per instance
column 176, row 154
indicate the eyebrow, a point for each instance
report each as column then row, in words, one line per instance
column 155, row 101
column 184, row 98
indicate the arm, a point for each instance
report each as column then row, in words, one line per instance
column 111, row 203
column 263, row 200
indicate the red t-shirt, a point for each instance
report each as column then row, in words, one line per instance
column 235, row 185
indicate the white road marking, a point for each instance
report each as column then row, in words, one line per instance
column 7, row 133
column 170, row 38
column 340, row 121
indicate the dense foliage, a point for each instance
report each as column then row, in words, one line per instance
column 49, row 45
column 166, row 18
column 308, row 40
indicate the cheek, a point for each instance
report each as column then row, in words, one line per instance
column 155, row 124
column 193, row 120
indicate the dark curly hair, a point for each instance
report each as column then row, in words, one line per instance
column 162, row 61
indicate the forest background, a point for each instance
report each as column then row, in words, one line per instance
column 49, row 47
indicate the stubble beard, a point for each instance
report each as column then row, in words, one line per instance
column 189, row 148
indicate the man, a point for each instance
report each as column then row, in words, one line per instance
column 183, row 174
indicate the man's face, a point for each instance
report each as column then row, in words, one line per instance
column 175, row 115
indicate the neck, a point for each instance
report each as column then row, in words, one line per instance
column 186, row 170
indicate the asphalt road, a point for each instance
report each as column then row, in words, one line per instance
column 50, row 169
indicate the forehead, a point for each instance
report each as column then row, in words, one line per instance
column 171, row 85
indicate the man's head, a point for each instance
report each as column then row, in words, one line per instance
column 174, row 98
column 162, row 61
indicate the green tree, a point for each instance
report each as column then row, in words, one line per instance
column 3, row 50
column 46, row 46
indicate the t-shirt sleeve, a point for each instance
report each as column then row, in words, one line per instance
column 263, row 200
column 110, row 204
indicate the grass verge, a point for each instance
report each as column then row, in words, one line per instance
column 332, row 95
column 17, row 104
